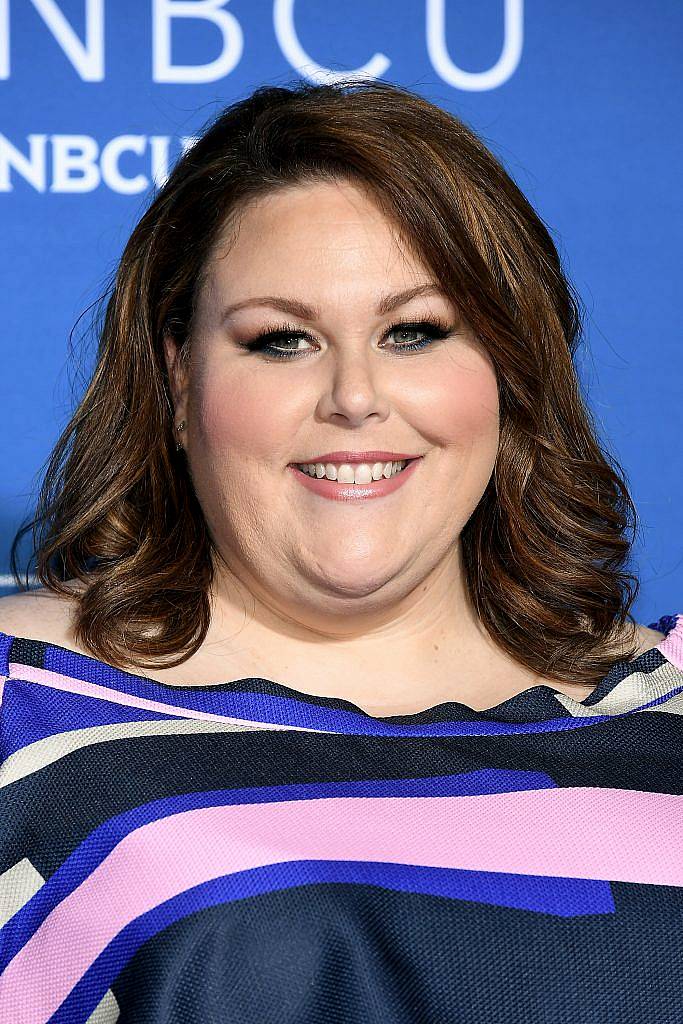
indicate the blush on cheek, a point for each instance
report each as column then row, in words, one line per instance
column 478, row 411
column 227, row 419
column 238, row 417
column 469, row 403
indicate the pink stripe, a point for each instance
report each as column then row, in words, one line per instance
column 28, row 673
column 672, row 646
column 622, row 835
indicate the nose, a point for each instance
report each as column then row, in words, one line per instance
column 355, row 388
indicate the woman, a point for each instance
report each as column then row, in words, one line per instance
column 333, row 487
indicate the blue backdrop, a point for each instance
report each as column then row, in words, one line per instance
column 580, row 99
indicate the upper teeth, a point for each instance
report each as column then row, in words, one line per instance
column 358, row 473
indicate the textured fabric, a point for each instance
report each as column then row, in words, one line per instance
column 244, row 853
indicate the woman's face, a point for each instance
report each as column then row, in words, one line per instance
column 347, row 386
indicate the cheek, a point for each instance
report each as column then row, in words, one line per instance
column 239, row 416
column 465, row 430
column 236, row 417
column 465, row 410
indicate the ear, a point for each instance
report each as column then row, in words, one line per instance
column 177, row 375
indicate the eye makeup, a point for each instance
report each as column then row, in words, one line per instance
column 265, row 343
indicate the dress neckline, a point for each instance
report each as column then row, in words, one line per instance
column 535, row 703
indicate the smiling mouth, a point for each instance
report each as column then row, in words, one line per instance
column 354, row 473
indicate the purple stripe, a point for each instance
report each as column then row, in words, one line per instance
column 81, row 863
column 568, row 832
column 32, row 712
column 5, row 644
column 289, row 713
column 564, row 897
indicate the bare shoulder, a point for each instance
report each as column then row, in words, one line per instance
column 646, row 639
column 39, row 614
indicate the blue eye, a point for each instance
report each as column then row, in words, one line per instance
column 265, row 343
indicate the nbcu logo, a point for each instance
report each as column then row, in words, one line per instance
column 87, row 58
column 77, row 163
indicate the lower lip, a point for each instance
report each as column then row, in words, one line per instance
column 355, row 492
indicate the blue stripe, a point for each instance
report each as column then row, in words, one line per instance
column 5, row 644
column 565, row 897
column 31, row 712
column 102, row 840
column 268, row 708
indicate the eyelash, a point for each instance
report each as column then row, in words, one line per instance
column 435, row 329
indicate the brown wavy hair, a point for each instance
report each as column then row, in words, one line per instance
column 544, row 551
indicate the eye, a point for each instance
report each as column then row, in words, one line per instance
column 274, row 342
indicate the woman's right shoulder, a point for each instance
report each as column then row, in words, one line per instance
column 38, row 614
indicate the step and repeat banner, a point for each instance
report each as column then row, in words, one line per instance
column 580, row 100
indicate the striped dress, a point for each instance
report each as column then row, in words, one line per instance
column 244, row 853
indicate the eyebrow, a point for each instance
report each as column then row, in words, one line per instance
column 305, row 312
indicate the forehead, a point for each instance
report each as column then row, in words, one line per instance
column 312, row 229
